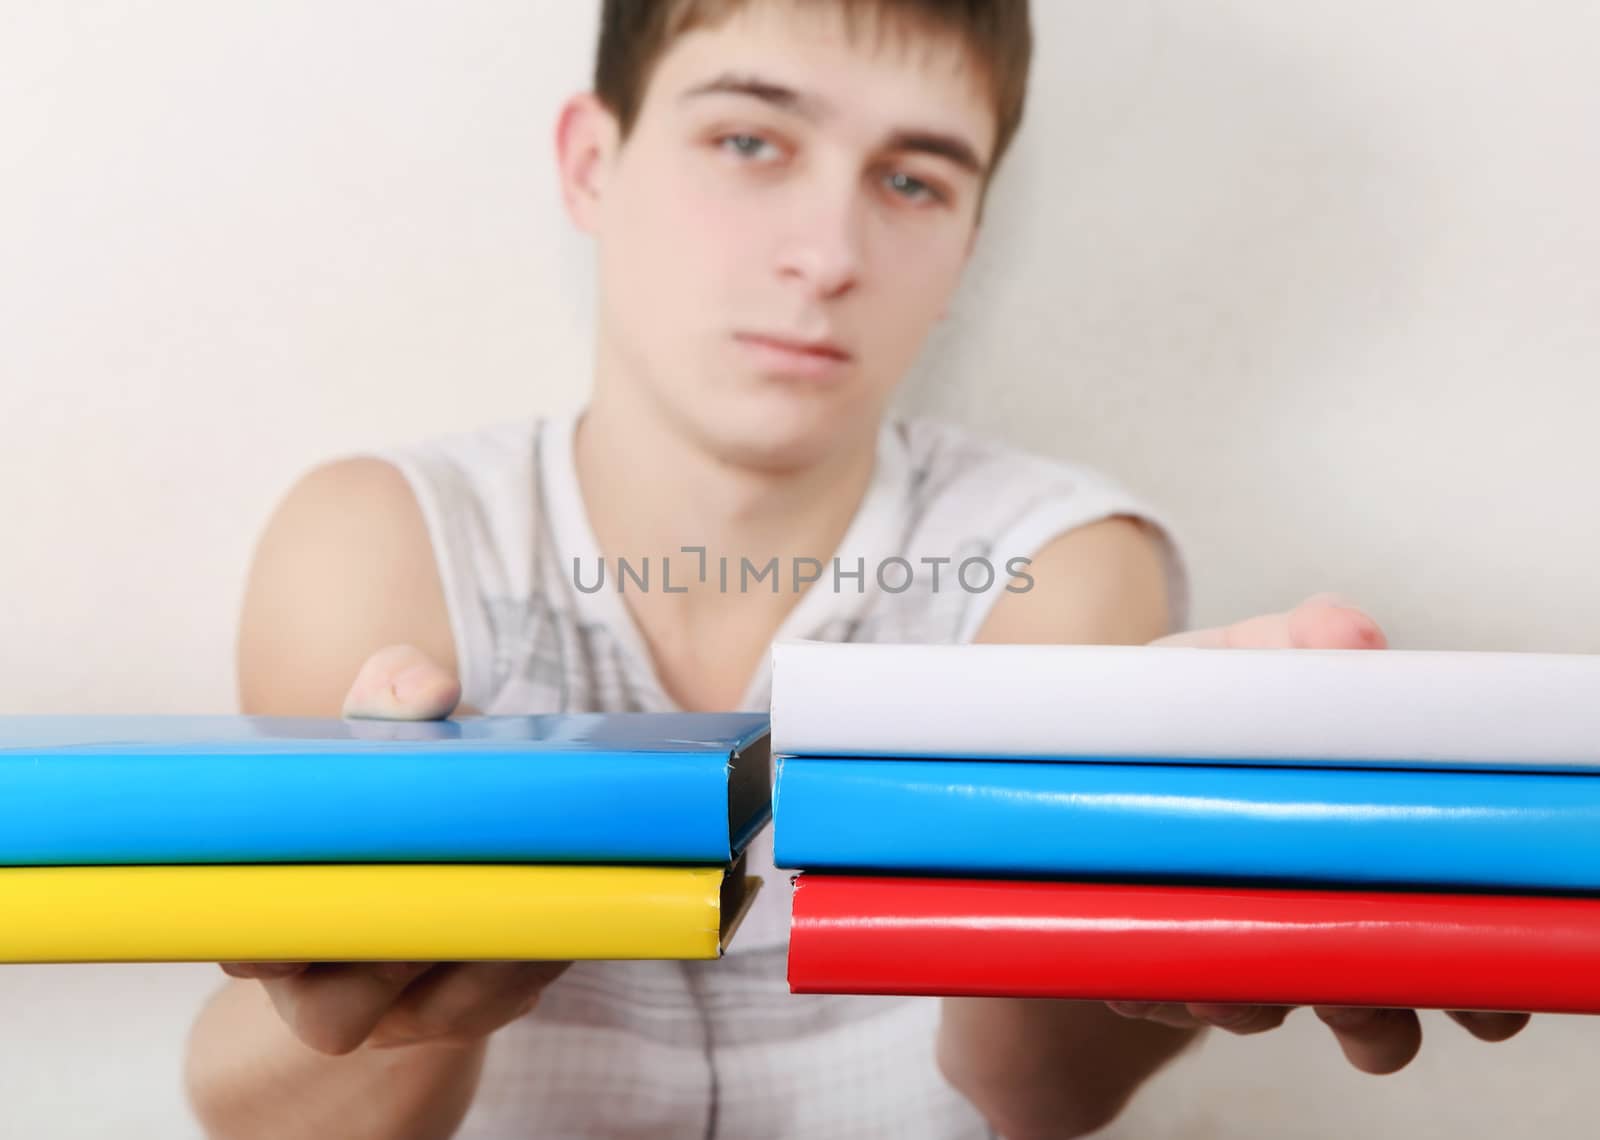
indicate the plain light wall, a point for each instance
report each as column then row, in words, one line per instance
column 1318, row 280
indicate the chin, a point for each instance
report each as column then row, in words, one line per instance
column 769, row 436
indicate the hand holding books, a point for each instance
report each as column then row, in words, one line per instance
column 438, row 871
column 337, row 1007
column 1373, row 1040
column 1189, row 833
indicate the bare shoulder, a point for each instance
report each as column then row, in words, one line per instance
column 1101, row 583
column 343, row 568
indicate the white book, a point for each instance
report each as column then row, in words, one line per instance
column 1384, row 707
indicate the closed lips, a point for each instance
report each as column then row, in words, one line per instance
column 823, row 349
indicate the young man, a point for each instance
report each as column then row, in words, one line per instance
column 783, row 196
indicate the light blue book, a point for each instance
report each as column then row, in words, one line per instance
column 1514, row 830
column 551, row 788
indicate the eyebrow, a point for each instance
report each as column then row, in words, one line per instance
column 784, row 98
column 952, row 148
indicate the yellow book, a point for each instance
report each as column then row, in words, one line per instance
column 356, row 912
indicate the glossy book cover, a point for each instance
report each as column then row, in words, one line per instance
column 562, row 787
column 356, row 912
column 1155, row 942
column 1109, row 703
column 1311, row 825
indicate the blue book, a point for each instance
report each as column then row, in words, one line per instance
column 1443, row 828
column 551, row 788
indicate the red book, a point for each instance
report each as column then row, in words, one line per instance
column 1100, row 941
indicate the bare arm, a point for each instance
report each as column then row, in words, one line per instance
column 344, row 569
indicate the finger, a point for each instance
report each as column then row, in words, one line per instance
column 1172, row 1014
column 1490, row 1026
column 1240, row 1019
column 1327, row 621
column 262, row 969
column 464, row 1001
column 333, row 1007
column 1323, row 621
column 1374, row 1040
column 1133, row 1010
column 402, row 683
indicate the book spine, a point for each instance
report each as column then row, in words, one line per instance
column 1333, row 826
column 1387, row 708
column 354, row 913
column 878, row 935
column 105, row 806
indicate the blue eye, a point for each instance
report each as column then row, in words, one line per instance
column 912, row 189
column 745, row 146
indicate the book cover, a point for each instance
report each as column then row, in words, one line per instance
column 623, row 788
column 1107, row 941
column 1386, row 708
column 1313, row 825
column 355, row 912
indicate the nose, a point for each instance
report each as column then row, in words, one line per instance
column 823, row 245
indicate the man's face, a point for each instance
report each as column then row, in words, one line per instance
column 786, row 223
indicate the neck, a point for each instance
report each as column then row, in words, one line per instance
column 650, row 488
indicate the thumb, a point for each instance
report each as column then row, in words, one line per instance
column 1323, row 621
column 402, row 683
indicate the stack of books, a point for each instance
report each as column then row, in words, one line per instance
column 563, row 836
column 1163, row 824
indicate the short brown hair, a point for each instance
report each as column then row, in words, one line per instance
column 635, row 33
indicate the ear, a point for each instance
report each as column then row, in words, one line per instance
column 586, row 137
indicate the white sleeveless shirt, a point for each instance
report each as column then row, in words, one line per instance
column 722, row 1049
